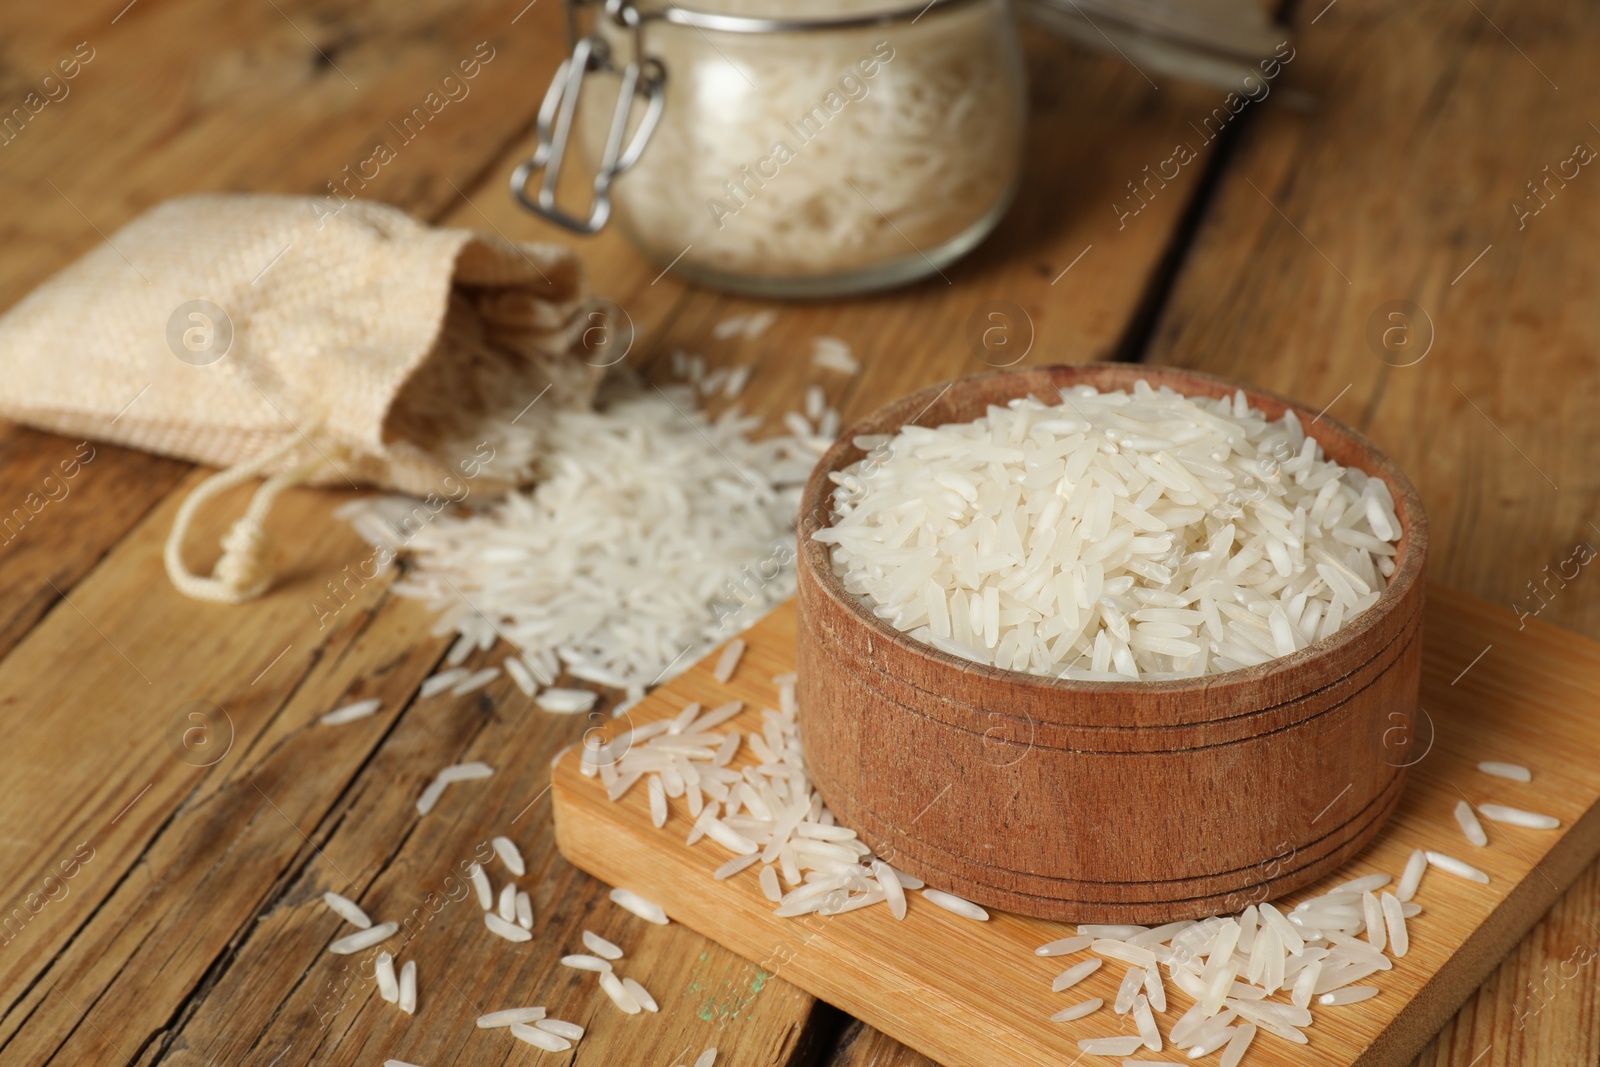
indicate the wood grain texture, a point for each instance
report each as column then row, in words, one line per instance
column 142, row 959
column 186, row 97
column 1036, row 815
column 953, row 988
column 1429, row 121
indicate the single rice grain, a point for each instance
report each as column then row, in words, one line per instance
column 584, row 962
column 408, row 987
column 1470, row 826
column 388, row 983
column 1416, row 866
column 347, row 909
column 1514, row 771
column 510, row 855
column 600, row 946
column 507, row 1016
column 648, row 910
column 361, row 709
column 1531, row 820
column 952, row 903
column 1077, row 1011
column 508, row 930
column 1460, row 869
column 353, row 943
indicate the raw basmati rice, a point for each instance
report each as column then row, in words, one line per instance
column 509, row 855
column 353, row 943
column 408, row 987
column 738, row 378
column 1064, row 946
column 1077, row 1011
column 708, row 1058
column 728, row 662
column 465, row 772
column 1238, row 1045
column 1128, row 992
column 640, row 994
column 438, row 683
column 480, row 884
column 566, row 701
column 506, row 908
column 648, row 910
column 1514, row 771
column 460, row 772
column 1112, row 536
column 1456, row 867
column 347, row 909
column 1145, row 1020
column 1416, row 866
column 1075, row 974
column 735, row 865
column 505, row 928
column 1470, row 826
column 1531, row 820
column 600, row 946
column 952, row 903
column 1368, row 883
column 361, row 709
column 507, row 1016
column 524, row 910
column 1112, row 1046
column 1394, row 918
column 652, row 534
column 388, row 984
column 582, row 962
column 750, row 326
column 561, row 1028
column 520, row 676
column 538, row 1038
column 429, row 797
column 619, row 993
column 831, row 353
column 816, row 402
column 475, row 681
column 1350, row 994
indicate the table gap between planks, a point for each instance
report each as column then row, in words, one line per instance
column 195, row 933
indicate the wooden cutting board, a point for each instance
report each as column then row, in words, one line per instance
column 971, row 994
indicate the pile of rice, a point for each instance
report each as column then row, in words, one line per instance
column 653, row 534
column 1112, row 536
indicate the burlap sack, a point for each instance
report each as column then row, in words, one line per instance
column 266, row 335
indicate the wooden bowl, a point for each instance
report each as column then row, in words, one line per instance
column 1105, row 801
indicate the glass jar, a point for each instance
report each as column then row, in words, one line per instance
column 859, row 146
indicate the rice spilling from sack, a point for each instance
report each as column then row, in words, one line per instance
column 1112, row 536
column 653, row 534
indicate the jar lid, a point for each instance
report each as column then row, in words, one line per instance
column 773, row 16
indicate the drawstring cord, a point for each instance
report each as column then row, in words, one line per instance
column 245, row 570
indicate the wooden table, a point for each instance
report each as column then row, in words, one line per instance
column 1379, row 176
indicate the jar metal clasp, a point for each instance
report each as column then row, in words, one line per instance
column 642, row 76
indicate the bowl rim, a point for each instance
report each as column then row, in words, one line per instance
column 1410, row 559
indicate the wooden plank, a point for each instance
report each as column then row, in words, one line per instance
column 861, row 1044
column 283, row 995
column 70, row 501
column 1393, row 206
column 148, row 955
column 932, row 980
